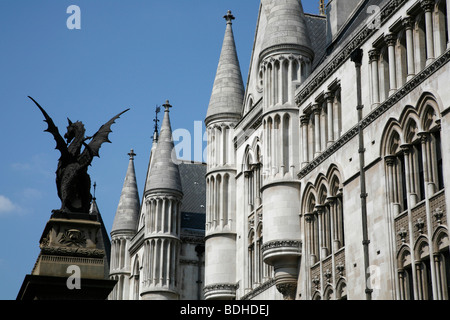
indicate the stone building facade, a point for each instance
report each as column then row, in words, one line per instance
column 327, row 173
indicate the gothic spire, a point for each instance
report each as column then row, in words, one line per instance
column 286, row 26
column 127, row 213
column 164, row 173
column 228, row 90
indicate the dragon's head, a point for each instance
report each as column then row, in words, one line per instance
column 74, row 129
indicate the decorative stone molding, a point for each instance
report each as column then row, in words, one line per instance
column 427, row 5
column 328, row 275
column 408, row 22
column 402, row 234
column 419, row 225
column 287, row 289
column 374, row 55
column 340, row 269
column 316, row 282
column 73, row 237
column 73, row 251
column 298, row 49
column 277, row 244
column 438, row 214
column 222, row 289
column 390, row 39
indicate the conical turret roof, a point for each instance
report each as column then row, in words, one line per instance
column 164, row 174
column 228, row 91
column 127, row 213
column 286, row 26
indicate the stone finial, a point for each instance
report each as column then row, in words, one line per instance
column 167, row 106
column 229, row 17
column 132, row 154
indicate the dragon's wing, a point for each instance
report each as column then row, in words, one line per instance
column 101, row 136
column 60, row 142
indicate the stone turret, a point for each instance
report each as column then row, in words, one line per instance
column 224, row 112
column 228, row 90
column 161, row 207
column 285, row 61
column 123, row 230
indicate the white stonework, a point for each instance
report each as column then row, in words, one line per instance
column 327, row 175
column 304, row 230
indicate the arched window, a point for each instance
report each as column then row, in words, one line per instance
column 328, row 294
column 442, row 263
column 341, row 290
column 405, row 275
column 423, row 271
column 322, row 207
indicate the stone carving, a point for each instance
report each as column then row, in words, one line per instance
column 287, row 290
column 72, row 180
column 220, row 286
column 73, row 237
column 281, row 244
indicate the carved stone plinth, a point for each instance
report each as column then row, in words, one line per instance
column 73, row 262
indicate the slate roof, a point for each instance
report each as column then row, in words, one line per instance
column 317, row 28
column 193, row 207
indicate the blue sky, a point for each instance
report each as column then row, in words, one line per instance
column 128, row 54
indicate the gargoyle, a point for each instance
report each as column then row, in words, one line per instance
column 72, row 179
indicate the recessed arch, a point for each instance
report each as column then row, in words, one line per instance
column 440, row 239
column 391, row 128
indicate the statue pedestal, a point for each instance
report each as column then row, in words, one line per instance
column 72, row 264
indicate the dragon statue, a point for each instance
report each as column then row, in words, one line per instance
column 72, row 179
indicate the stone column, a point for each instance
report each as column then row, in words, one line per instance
column 272, row 101
column 265, row 86
column 320, row 217
column 304, row 120
column 408, row 24
column 329, row 96
column 290, row 89
column 429, row 184
column 373, row 58
column 280, row 81
column 316, row 110
column 393, row 189
column 406, row 154
column 427, row 6
column 391, row 39
column 309, row 218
